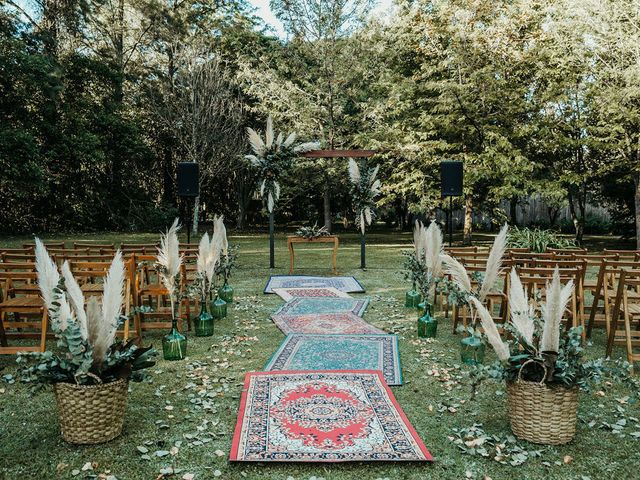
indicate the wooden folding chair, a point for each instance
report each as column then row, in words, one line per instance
column 627, row 307
column 10, row 257
column 94, row 247
column 21, row 306
column 605, row 290
column 147, row 287
column 32, row 245
column 628, row 255
column 26, row 285
column 139, row 248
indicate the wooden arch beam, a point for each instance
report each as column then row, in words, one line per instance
column 339, row 153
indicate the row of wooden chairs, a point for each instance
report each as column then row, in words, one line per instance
column 607, row 289
column 22, row 314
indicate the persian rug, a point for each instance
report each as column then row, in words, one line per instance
column 344, row 284
column 290, row 293
column 331, row 416
column 310, row 305
column 345, row 322
column 339, row 352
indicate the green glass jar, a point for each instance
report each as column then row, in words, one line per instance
column 427, row 325
column 226, row 293
column 412, row 299
column 218, row 308
column 472, row 350
column 174, row 344
column 203, row 323
column 422, row 309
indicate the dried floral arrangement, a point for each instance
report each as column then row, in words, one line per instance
column 212, row 252
column 423, row 266
column 86, row 331
column 272, row 157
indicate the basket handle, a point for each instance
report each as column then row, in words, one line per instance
column 89, row 374
column 531, row 360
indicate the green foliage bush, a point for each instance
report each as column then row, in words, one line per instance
column 537, row 240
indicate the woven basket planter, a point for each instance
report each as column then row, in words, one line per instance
column 91, row 414
column 542, row 414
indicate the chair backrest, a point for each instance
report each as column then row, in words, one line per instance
column 7, row 257
column 17, row 267
column 17, row 250
column 89, row 257
column 94, row 247
column 32, row 245
column 623, row 254
column 21, row 283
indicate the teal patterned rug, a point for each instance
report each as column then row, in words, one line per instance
column 311, row 305
column 339, row 352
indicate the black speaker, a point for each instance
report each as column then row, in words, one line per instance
column 451, row 175
column 188, row 179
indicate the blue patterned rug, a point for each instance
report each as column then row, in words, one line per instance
column 310, row 305
column 339, row 352
column 344, row 284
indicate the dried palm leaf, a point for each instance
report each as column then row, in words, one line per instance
column 553, row 310
column 270, row 203
column 256, row 142
column 501, row 348
column 112, row 300
column 458, row 273
column 76, row 298
column 494, row 263
column 519, row 307
column 354, row 172
column 48, row 276
column 269, row 133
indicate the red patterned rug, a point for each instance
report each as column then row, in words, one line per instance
column 327, row 416
column 345, row 322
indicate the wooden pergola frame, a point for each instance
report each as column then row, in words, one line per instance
column 345, row 154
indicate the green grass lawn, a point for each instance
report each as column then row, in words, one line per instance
column 192, row 405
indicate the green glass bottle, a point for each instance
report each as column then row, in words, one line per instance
column 427, row 325
column 174, row 344
column 422, row 309
column 226, row 293
column 472, row 350
column 203, row 323
column 218, row 308
column 412, row 299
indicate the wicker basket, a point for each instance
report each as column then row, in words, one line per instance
column 542, row 414
column 91, row 414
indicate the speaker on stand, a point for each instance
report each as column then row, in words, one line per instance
column 451, row 176
column 188, row 186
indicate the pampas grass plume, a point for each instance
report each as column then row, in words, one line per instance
column 490, row 329
column 494, row 263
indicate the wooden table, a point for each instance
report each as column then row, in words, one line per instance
column 327, row 239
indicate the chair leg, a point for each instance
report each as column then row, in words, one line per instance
column 3, row 336
column 43, row 330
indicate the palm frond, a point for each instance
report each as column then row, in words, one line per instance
column 354, row 172
column 374, row 174
column 270, row 203
column 75, row 297
column 458, row 273
column 48, row 276
column 269, row 133
column 553, row 310
column 494, row 263
column 501, row 348
column 257, row 145
column 519, row 308
column 112, row 300
column 290, row 139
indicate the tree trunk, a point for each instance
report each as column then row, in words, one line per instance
column 196, row 215
column 119, row 47
column 637, row 205
column 513, row 211
column 468, row 220
column 577, row 219
column 327, row 207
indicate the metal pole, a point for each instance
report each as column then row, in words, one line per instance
column 188, row 220
column 272, row 261
column 363, row 262
column 450, row 220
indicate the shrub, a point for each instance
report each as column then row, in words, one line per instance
column 537, row 240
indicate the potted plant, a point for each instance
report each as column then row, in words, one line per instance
column 425, row 266
column 90, row 374
column 205, row 268
column 460, row 287
column 169, row 262
column 543, row 364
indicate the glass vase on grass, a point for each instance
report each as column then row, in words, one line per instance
column 226, row 292
column 203, row 323
column 218, row 308
column 427, row 325
column 472, row 350
column 174, row 344
column 412, row 298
